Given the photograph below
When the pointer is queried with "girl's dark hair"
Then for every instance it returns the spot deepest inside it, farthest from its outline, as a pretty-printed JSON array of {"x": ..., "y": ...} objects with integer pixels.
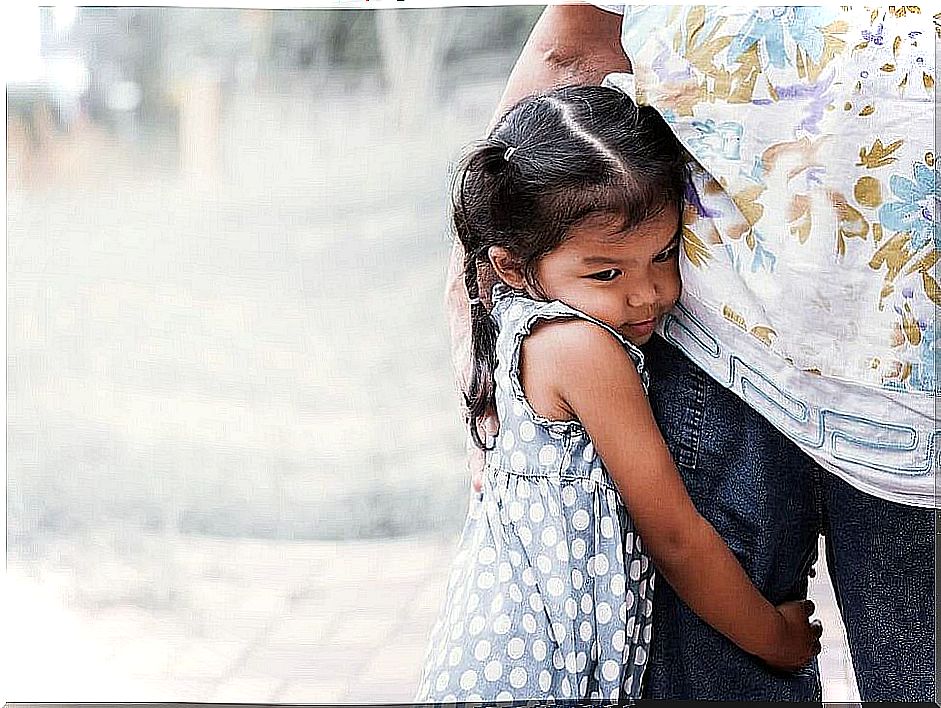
[{"x": 553, "y": 160}]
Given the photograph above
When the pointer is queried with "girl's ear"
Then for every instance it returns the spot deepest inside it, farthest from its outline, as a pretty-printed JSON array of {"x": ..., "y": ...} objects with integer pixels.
[{"x": 507, "y": 267}]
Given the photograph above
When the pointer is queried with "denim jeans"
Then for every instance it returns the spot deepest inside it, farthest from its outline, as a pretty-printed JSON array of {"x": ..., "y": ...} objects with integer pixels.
[{"x": 770, "y": 502}]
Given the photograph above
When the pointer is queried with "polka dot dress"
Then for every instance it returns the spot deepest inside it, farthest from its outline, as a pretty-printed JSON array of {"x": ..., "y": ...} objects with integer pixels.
[{"x": 550, "y": 595}]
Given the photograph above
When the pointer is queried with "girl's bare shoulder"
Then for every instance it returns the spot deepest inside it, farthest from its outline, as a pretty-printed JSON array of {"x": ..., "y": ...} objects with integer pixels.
[{"x": 562, "y": 354}]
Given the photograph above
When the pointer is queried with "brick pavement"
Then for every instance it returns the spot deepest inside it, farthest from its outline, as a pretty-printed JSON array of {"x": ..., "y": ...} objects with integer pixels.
[{"x": 306, "y": 633}]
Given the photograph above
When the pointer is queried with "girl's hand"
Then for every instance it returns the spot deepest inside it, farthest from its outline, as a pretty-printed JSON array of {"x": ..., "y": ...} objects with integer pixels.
[{"x": 798, "y": 640}]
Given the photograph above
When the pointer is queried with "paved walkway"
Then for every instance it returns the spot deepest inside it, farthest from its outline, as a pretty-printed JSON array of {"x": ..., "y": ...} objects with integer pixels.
[{"x": 249, "y": 622}]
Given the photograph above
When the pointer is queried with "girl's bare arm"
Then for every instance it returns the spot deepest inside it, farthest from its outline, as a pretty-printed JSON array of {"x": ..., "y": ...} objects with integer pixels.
[{"x": 580, "y": 371}]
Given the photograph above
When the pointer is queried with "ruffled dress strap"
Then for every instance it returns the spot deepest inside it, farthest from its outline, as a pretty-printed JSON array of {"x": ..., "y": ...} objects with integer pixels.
[{"x": 516, "y": 315}]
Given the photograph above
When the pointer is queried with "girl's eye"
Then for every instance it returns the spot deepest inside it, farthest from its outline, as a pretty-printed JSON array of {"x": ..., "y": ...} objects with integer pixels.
[
  {"x": 606, "y": 275},
  {"x": 666, "y": 255}
]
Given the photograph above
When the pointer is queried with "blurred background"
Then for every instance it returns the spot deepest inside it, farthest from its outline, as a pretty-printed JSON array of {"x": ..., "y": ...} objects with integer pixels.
[{"x": 235, "y": 466}]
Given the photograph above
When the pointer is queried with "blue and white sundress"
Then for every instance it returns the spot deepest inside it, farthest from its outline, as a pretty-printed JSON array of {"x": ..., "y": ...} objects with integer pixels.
[{"x": 550, "y": 595}]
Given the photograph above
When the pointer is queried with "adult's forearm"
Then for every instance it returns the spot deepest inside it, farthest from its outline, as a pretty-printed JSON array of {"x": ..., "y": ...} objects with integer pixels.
[{"x": 569, "y": 44}]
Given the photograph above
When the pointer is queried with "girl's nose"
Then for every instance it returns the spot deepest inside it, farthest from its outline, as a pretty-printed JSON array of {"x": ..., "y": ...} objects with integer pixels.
[{"x": 642, "y": 294}]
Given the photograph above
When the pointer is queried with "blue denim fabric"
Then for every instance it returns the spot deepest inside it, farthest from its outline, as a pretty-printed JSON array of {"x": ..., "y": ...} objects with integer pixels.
[{"x": 770, "y": 502}]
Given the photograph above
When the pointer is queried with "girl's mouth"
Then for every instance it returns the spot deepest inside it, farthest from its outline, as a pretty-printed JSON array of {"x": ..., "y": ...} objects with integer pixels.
[{"x": 641, "y": 329}]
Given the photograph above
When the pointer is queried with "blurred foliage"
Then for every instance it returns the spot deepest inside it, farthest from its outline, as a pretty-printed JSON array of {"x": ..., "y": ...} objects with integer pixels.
[
  {"x": 254, "y": 173},
  {"x": 156, "y": 48},
  {"x": 305, "y": 40},
  {"x": 489, "y": 29},
  {"x": 348, "y": 38},
  {"x": 309, "y": 39}
]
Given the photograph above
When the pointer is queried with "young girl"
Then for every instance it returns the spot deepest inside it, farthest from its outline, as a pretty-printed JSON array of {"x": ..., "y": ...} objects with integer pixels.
[{"x": 575, "y": 201}]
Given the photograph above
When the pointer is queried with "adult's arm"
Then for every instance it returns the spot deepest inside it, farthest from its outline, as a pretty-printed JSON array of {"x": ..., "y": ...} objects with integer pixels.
[{"x": 569, "y": 44}]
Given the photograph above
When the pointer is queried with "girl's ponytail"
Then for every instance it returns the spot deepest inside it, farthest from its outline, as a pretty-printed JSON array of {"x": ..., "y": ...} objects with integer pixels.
[
  {"x": 479, "y": 397},
  {"x": 476, "y": 185}
]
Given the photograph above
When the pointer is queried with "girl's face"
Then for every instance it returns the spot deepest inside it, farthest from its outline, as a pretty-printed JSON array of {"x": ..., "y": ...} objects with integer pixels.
[{"x": 626, "y": 279}]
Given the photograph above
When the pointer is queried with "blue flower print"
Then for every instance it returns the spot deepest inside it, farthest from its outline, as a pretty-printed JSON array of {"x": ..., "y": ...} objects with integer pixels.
[
  {"x": 723, "y": 140},
  {"x": 767, "y": 26},
  {"x": 758, "y": 259},
  {"x": 763, "y": 259},
  {"x": 917, "y": 208},
  {"x": 757, "y": 172}
]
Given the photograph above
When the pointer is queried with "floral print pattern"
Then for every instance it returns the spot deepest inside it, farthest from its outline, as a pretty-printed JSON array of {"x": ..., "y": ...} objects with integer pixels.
[
  {"x": 810, "y": 246},
  {"x": 811, "y": 183},
  {"x": 916, "y": 208},
  {"x": 770, "y": 27}
]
